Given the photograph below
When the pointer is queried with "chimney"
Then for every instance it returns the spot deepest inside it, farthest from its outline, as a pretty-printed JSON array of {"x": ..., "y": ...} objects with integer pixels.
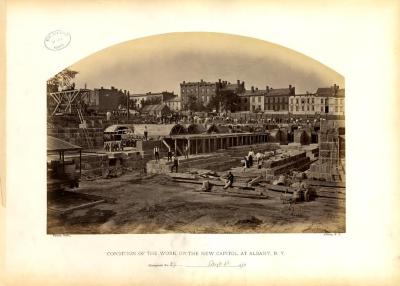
[
  {"x": 184, "y": 82},
  {"x": 256, "y": 88},
  {"x": 267, "y": 89},
  {"x": 125, "y": 91},
  {"x": 290, "y": 87},
  {"x": 252, "y": 88},
  {"x": 112, "y": 88},
  {"x": 201, "y": 80},
  {"x": 101, "y": 87},
  {"x": 85, "y": 85},
  {"x": 219, "y": 80},
  {"x": 238, "y": 82}
]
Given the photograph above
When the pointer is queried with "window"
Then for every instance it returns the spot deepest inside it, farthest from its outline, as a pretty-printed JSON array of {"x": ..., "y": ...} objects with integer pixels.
[
  {"x": 336, "y": 109},
  {"x": 259, "y": 107},
  {"x": 312, "y": 108},
  {"x": 302, "y": 108},
  {"x": 297, "y": 108},
  {"x": 322, "y": 109},
  {"x": 308, "y": 100},
  {"x": 308, "y": 108},
  {"x": 312, "y": 100},
  {"x": 245, "y": 100},
  {"x": 322, "y": 102},
  {"x": 259, "y": 99}
]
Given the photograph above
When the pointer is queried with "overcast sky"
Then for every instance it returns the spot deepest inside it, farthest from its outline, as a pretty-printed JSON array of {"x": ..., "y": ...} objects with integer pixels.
[{"x": 161, "y": 62}]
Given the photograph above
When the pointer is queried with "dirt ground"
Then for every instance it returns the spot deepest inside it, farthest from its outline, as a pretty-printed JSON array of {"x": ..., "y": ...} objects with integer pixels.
[{"x": 156, "y": 204}]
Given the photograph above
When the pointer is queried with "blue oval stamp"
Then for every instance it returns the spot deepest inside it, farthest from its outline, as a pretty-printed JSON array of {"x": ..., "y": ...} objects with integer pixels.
[{"x": 57, "y": 40}]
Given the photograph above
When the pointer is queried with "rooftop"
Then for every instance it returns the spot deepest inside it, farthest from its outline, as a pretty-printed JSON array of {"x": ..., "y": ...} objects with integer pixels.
[{"x": 55, "y": 144}]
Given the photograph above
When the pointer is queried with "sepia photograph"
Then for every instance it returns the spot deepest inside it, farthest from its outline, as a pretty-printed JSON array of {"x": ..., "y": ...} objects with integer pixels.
[
  {"x": 195, "y": 132},
  {"x": 199, "y": 142}
]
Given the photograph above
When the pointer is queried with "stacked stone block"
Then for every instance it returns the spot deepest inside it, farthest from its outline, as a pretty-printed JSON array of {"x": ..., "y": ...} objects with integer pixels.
[{"x": 328, "y": 167}]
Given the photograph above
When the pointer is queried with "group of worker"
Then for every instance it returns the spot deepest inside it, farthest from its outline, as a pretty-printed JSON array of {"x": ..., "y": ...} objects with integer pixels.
[
  {"x": 171, "y": 156},
  {"x": 249, "y": 160}
]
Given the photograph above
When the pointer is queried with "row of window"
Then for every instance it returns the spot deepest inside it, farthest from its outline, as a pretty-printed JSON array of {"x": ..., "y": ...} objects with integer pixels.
[
  {"x": 194, "y": 90},
  {"x": 270, "y": 99},
  {"x": 272, "y": 107},
  {"x": 311, "y": 100},
  {"x": 337, "y": 108}
]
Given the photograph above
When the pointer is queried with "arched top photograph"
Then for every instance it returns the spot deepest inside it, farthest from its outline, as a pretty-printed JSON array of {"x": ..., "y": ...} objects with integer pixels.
[{"x": 196, "y": 132}]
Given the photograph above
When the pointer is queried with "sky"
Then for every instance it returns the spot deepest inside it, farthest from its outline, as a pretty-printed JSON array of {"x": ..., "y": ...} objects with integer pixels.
[{"x": 162, "y": 62}]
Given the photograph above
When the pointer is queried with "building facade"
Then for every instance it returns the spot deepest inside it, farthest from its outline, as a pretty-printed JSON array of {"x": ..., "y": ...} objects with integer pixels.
[
  {"x": 151, "y": 98},
  {"x": 328, "y": 100},
  {"x": 174, "y": 103},
  {"x": 269, "y": 100},
  {"x": 201, "y": 92},
  {"x": 256, "y": 99},
  {"x": 107, "y": 99}
]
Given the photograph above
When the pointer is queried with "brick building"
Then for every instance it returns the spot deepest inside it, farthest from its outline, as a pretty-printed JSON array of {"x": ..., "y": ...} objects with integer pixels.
[
  {"x": 203, "y": 91},
  {"x": 107, "y": 99}
]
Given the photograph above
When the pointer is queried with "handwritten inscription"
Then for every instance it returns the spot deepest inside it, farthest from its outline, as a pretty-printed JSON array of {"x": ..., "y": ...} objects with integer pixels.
[{"x": 211, "y": 264}]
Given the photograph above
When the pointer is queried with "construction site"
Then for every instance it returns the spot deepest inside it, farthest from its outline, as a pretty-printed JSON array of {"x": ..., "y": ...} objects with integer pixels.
[{"x": 105, "y": 177}]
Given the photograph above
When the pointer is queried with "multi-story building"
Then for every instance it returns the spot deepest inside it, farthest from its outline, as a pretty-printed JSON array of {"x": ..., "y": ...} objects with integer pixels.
[
  {"x": 329, "y": 100},
  {"x": 269, "y": 100},
  {"x": 256, "y": 99},
  {"x": 202, "y": 92},
  {"x": 107, "y": 99},
  {"x": 174, "y": 103},
  {"x": 150, "y": 98},
  {"x": 306, "y": 104},
  {"x": 278, "y": 99}
]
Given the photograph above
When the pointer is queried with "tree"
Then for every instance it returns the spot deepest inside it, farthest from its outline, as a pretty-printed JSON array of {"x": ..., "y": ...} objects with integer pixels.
[
  {"x": 225, "y": 101},
  {"x": 62, "y": 80},
  {"x": 191, "y": 103}
]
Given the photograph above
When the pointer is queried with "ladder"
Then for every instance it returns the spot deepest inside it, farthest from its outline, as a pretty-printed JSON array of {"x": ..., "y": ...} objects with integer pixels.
[{"x": 84, "y": 128}]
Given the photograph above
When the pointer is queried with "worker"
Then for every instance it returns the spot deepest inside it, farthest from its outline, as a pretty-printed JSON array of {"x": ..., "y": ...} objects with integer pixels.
[
  {"x": 169, "y": 154},
  {"x": 246, "y": 163},
  {"x": 145, "y": 132},
  {"x": 251, "y": 156},
  {"x": 175, "y": 163},
  {"x": 259, "y": 157},
  {"x": 259, "y": 163},
  {"x": 156, "y": 153},
  {"x": 229, "y": 180},
  {"x": 186, "y": 151}
]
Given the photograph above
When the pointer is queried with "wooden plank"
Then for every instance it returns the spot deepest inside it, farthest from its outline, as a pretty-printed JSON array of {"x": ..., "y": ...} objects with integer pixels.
[
  {"x": 231, "y": 194},
  {"x": 182, "y": 176},
  {"x": 64, "y": 211},
  {"x": 326, "y": 184}
]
